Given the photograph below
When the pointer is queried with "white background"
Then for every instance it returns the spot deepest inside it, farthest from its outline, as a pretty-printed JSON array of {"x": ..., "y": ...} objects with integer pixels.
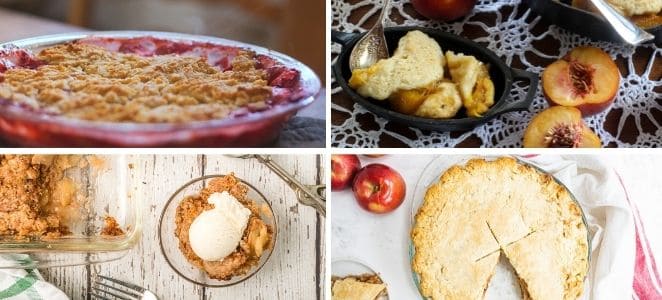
[{"x": 381, "y": 241}]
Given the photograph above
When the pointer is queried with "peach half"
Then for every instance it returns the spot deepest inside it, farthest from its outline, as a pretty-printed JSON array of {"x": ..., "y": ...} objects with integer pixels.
[
  {"x": 586, "y": 78},
  {"x": 560, "y": 127}
]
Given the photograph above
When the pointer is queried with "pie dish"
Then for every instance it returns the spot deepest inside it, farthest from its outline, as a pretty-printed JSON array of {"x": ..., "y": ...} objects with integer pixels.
[
  {"x": 186, "y": 204},
  {"x": 147, "y": 89},
  {"x": 493, "y": 208}
]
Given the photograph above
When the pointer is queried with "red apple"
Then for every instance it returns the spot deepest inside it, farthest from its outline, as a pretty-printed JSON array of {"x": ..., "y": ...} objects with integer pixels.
[
  {"x": 443, "y": 10},
  {"x": 379, "y": 188},
  {"x": 343, "y": 169}
]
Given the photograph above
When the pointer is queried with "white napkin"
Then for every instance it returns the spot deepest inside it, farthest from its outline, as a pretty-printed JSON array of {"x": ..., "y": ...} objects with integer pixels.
[
  {"x": 610, "y": 221},
  {"x": 20, "y": 284}
]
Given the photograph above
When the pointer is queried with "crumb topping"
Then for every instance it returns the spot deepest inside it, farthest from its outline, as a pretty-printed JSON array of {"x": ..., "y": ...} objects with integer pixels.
[{"x": 85, "y": 81}]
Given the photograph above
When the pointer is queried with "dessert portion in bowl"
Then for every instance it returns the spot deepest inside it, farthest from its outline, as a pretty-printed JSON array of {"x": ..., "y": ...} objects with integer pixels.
[
  {"x": 41, "y": 198},
  {"x": 145, "y": 80},
  {"x": 220, "y": 229},
  {"x": 421, "y": 80}
]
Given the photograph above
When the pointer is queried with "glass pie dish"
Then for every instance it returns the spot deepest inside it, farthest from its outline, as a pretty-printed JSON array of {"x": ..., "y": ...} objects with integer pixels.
[
  {"x": 169, "y": 242},
  {"x": 431, "y": 175},
  {"x": 102, "y": 190},
  {"x": 29, "y": 127}
]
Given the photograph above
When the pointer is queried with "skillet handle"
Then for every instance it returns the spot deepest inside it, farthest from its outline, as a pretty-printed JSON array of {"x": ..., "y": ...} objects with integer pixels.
[
  {"x": 342, "y": 38},
  {"x": 524, "y": 103}
]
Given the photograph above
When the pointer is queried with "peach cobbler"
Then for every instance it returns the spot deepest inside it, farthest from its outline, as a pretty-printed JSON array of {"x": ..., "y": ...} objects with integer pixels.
[
  {"x": 144, "y": 80},
  {"x": 220, "y": 230}
]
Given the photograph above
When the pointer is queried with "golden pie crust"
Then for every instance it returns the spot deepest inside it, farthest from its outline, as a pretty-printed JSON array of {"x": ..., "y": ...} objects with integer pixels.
[
  {"x": 483, "y": 209},
  {"x": 358, "y": 287}
]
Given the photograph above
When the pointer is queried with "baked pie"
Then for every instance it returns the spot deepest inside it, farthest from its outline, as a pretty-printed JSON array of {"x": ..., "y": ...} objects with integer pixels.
[
  {"x": 485, "y": 209},
  {"x": 361, "y": 287},
  {"x": 220, "y": 230},
  {"x": 145, "y": 80}
]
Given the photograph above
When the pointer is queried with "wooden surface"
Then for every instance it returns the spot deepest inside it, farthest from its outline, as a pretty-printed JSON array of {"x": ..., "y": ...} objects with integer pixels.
[{"x": 291, "y": 272}]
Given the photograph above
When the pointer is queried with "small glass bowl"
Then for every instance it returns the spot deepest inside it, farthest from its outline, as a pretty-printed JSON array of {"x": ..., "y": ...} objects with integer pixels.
[{"x": 170, "y": 243}]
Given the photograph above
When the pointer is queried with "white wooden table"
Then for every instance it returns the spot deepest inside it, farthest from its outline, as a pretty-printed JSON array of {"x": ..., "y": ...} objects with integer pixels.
[
  {"x": 294, "y": 271},
  {"x": 380, "y": 241}
]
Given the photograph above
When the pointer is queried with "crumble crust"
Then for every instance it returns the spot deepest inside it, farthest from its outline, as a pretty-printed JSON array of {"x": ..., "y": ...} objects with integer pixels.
[
  {"x": 88, "y": 82},
  {"x": 256, "y": 239}
]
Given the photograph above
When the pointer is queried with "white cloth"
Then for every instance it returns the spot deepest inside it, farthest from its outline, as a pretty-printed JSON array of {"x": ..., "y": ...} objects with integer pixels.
[
  {"x": 20, "y": 284},
  {"x": 609, "y": 217}
]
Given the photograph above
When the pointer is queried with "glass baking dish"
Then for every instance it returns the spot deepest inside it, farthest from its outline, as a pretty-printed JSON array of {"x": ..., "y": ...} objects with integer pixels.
[{"x": 102, "y": 189}]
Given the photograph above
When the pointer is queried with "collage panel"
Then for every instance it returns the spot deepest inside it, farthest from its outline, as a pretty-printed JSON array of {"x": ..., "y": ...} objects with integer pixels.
[
  {"x": 476, "y": 226},
  {"x": 496, "y": 74},
  {"x": 162, "y": 73},
  {"x": 162, "y": 226}
]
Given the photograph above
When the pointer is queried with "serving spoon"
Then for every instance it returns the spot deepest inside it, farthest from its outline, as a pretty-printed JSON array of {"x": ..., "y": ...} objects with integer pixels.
[
  {"x": 372, "y": 46},
  {"x": 309, "y": 195},
  {"x": 627, "y": 30}
]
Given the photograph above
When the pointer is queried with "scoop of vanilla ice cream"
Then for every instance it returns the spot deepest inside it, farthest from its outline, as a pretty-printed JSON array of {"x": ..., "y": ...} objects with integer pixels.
[{"x": 215, "y": 233}]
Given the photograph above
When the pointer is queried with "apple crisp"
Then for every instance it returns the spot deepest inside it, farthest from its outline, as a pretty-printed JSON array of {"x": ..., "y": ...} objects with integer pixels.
[
  {"x": 36, "y": 199},
  {"x": 256, "y": 238}
]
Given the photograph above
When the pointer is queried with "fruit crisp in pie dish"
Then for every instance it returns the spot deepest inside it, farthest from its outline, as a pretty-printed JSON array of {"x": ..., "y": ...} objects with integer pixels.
[
  {"x": 220, "y": 229},
  {"x": 484, "y": 209},
  {"x": 149, "y": 84}
]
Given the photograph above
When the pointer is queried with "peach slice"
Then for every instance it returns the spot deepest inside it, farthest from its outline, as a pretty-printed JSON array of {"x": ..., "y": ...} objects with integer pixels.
[
  {"x": 560, "y": 127},
  {"x": 408, "y": 101},
  {"x": 586, "y": 78}
]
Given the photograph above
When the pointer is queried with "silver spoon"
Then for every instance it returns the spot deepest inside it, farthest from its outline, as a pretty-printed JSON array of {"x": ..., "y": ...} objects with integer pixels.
[
  {"x": 309, "y": 195},
  {"x": 628, "y": 31},
  {"x": 372, "y": 46}
]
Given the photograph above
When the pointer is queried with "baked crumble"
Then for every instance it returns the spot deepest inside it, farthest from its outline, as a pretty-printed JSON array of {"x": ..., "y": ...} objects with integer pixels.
[
  {"x": 111, "y": 227},
  {"x": 256, "y": 239},
  {"x": 85, "y": 81},
  {"x": 36, "y": 200}
]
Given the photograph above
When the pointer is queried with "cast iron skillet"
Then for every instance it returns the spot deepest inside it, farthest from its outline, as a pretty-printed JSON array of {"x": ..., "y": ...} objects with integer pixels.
[
  {"x": 502, "y": 76},
  {"x": 592, "y": 25}
]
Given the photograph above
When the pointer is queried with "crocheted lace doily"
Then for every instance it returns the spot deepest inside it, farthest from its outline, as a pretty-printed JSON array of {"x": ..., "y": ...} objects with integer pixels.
[{"x": 515, "y": 35}]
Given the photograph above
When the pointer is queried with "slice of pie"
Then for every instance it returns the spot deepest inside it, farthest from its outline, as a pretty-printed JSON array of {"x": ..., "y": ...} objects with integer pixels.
[
  {"x": 478, "y": 211},
  {"x": 363, "y": 287}
]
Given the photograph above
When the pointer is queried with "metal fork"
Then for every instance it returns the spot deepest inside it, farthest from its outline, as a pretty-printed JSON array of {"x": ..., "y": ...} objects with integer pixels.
[{"x": 106, "y": 288}]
